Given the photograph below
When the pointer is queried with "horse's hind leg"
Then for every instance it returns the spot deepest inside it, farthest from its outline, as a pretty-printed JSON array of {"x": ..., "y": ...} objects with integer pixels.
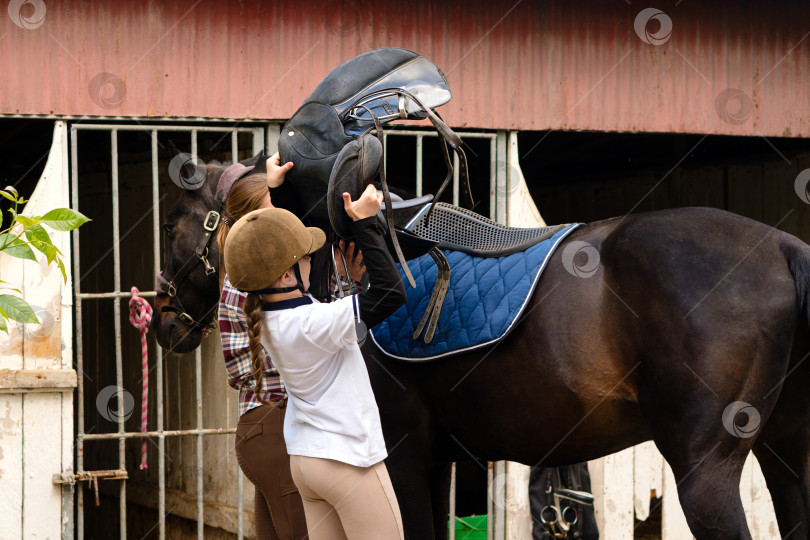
[
  {"x": 709, "y": 491},
  {"x": 783, "y": 451},
  {"x": 704, "y": 449},
  {"x": 786, "y": 475}
]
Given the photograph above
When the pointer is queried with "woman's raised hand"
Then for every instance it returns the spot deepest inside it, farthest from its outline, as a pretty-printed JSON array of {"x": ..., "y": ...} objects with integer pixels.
[
  {"x": 367, "y": 205},
  {"x": 276, "y": 171}
]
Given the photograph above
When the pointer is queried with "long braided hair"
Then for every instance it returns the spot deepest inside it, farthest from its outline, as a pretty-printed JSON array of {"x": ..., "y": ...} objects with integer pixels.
[
  {"x": 246, "y": 195},
  {"x": 253, "y": 313}
]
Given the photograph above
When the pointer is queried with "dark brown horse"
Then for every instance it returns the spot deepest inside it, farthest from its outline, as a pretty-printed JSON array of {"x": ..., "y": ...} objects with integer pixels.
[{"x": 691, "y": 331}]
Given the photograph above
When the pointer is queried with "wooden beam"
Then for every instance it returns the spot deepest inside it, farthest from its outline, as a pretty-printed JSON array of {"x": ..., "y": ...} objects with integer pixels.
[{"x": 18, "y": 381}]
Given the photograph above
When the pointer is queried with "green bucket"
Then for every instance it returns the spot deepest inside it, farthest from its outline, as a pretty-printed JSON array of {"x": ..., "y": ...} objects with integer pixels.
[{"x": 471, "y": 528}]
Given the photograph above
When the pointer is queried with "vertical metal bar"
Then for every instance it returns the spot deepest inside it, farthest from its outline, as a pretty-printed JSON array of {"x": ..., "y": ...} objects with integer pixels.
[
  {"x": 194, "y": 145},
  {"x": 198, "y": 391},
  {"x": 499, "y": 510},
  {"x": 119, "y": 376},
  {"x": 452, "y": 522},
  {"x": 273, "y": 135},
  {"x": 455, "y": 179},
  {"x": 419, "y": 165},
  {"x": 199, "y": 465},
  {"x": 490, "y": 500},
  {"x": 234, "y": 146},
  {"x": 159, "y": 352},
  {"x": 77, "y": 302},
  {"x": 493, "y": 181},
  {"x": 501, "y": 179}
]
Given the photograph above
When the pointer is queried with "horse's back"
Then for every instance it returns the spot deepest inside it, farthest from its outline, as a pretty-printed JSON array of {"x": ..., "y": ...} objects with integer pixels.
[{"x": 699, "y": 262}]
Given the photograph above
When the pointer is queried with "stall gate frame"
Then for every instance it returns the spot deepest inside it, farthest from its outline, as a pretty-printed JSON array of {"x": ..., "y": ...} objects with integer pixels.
[{"x": 497, "y": 212}]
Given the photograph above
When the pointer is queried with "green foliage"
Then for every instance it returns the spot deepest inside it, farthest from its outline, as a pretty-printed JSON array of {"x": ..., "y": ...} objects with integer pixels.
[{"x": 24, "y": 235}]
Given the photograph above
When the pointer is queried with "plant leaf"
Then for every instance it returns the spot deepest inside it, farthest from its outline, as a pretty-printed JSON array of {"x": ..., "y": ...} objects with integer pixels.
[
  {"x": 3, "y": 325},
  {"x": 18, "y": 291},
  {"x": 27, "y": 221},
  {"x": 40, "y": 239},
  {"x": 46, "y": 249},
  {"x": 64, "y": 219},
  {"x": 38, "y": 233},
  {"x": 6, "y": 238},
  {"x": 8, "y": 196},
  {"x": 17, "y": 309},
  {"x": 62, "y": 268},
  {"x": 20, "y": 249}
]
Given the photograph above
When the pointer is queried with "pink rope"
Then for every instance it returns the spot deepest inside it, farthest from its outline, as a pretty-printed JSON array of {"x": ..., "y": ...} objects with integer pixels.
[{"x": 140, "y": 315}]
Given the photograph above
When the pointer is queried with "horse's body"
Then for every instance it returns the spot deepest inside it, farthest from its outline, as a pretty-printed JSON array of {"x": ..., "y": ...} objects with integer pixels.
[{"x": 690, "y": 311}]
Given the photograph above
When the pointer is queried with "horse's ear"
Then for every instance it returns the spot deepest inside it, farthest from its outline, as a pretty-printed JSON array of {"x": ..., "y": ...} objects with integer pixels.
[
  {"x": 256, "y": 161},
  {"x": 190, "y": 175},
  {"x": 173, "y": 150},
  {"x": 261, "y": 165}
]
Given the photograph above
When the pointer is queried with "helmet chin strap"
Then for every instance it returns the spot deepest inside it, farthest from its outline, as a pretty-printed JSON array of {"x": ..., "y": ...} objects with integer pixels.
[{"x": 280, "y": 290}]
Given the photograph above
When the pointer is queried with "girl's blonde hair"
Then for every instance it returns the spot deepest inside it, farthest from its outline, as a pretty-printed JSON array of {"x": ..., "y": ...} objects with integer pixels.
[{"x": 245, "y": 196}]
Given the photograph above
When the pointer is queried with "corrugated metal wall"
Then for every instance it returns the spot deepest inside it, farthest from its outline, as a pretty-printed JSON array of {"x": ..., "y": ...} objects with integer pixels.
[{"x": 524, "y": 65}]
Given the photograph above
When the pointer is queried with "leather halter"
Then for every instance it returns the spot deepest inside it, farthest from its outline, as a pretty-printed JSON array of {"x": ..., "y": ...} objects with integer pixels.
[{"x": 210, "y": 224}]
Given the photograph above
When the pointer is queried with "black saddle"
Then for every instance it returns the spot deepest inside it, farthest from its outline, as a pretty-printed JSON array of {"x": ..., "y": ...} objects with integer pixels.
[{"x": 335, "y": 139}]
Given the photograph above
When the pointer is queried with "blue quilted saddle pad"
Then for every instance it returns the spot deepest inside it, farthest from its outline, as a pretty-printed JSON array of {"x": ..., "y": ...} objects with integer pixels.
[{"x": 485, "y": 298}]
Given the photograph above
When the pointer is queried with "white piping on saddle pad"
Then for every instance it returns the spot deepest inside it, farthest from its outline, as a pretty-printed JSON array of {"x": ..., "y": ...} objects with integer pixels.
[{"x": 508, "y": 328}]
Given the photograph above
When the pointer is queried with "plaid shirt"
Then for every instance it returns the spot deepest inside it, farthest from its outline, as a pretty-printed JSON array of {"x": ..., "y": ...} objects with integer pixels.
[{"x": 236, "y": 349}]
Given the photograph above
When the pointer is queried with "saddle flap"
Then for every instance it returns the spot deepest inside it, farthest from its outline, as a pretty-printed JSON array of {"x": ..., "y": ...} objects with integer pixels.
[
  {"x": 314, "y": 132},
  {"x": 312, "y": 139},
  {"x": 355, "y": 167}
]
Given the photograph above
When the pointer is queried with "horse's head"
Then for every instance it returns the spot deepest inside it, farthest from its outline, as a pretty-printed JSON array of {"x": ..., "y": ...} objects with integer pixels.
[{"x": 188, "y": 285}]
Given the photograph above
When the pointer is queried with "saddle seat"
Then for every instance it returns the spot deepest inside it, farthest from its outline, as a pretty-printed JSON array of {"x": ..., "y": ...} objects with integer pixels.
[{"x": 459, "y": 229}]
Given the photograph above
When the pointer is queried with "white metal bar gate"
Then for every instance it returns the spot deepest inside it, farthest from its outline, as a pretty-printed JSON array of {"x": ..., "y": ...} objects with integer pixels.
[
  {"x": 497, "y": 206},
  {"x": 158, "y": 434}
]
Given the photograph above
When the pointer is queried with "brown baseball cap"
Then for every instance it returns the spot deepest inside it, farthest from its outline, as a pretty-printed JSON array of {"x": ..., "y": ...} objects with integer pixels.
[{"x": 263, "y": 244}]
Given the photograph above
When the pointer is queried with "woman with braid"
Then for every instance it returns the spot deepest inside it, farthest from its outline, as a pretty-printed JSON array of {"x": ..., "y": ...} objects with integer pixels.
[
  {"x": 260, "y": 449},
  {"x": 332, "y": 429}
]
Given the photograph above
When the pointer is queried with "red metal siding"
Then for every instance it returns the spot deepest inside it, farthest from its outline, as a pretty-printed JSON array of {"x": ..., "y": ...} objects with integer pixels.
[{"x": 524, "y": 65}]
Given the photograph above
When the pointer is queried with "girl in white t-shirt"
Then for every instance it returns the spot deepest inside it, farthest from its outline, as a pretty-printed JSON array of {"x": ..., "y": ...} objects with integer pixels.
[{"x": 332, "y": 427}]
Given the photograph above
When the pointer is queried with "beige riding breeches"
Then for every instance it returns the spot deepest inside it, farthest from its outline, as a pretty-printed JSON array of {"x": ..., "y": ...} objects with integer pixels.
[{"x": 342, "y": 501}]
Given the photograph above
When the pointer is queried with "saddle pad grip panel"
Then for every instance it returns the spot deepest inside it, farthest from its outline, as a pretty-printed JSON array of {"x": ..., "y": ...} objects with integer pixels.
[{"x": 485, "y": 299}]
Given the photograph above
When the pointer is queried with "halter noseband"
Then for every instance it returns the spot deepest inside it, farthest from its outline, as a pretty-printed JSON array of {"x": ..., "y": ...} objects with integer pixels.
[{"x": 232, "y": 174}]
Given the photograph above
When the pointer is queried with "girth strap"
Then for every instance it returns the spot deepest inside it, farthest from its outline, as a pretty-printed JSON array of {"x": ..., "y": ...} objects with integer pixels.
[{"x": 434, "y": 307}]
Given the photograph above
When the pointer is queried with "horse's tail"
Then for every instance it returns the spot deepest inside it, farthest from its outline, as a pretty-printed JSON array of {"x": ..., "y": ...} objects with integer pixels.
[{"x": 797, "y": 255}]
